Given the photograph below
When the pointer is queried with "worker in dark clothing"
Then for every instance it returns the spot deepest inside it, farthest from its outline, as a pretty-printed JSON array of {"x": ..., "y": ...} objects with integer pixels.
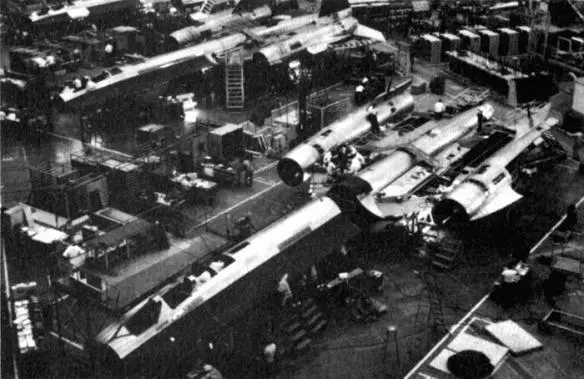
[
  {"x": 571, "y": 219},
  {"x": 248, "y": 172},
  {"x": 359, "y": 94},
  {"x": 244, "y": 226},
  {"x": 566, "y": 228},
  {"x": 480, "y": 120},
  {"x": 372, "y": 118}
]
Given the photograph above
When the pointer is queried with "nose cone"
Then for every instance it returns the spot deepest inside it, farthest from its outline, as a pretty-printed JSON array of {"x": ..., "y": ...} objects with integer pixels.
[
  {"x": 449, "y": 211},
  {"x": 290, "y": 172}
]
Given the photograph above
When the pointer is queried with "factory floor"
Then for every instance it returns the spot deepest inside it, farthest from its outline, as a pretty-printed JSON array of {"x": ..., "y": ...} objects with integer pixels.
[
  {"x": 351, "y": 350},
  {"x": 347, "y": 349}
]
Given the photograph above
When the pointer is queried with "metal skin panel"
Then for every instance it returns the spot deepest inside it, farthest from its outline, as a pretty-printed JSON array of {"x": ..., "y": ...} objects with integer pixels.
[
  {"x": 281, "y": 51},
  {"x": 216, "y": 22},
  {"x": 488, "y": 188},
  {"x": 275, "y": 241},
  {"x": 94, "y": 6},
  {"x": 154, "y": 72},
  {"x": 396, "y": 164},
  {"x": 292, "y": 167}
]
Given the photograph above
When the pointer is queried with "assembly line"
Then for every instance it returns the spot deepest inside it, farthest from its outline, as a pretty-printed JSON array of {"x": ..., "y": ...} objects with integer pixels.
[{"x": 292, "y": 189}]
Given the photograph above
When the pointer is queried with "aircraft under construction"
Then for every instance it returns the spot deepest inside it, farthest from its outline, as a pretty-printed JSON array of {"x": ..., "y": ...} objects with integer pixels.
[
  {"x": 276, "y": 43},
  {"x": 381, "y": 192}
]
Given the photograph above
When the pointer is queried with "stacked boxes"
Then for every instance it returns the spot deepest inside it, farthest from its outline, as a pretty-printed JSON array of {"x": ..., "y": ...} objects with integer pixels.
[
  {"x": 489, "y": 42},
  {"x": 525, "y": 35},
  {"x": 470, "y": 41},
  {"x": 23, "y": 324},
  {"x": 508, "y": 42},
  {"x": 450, "y": 42},
  {"x": 430, "y": 48}
]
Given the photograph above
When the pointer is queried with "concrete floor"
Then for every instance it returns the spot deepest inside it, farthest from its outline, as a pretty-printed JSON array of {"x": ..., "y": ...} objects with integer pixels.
[{"x": 350, "y": 350}]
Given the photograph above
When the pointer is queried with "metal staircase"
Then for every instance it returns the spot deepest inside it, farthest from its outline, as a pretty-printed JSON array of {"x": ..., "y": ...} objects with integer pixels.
[
  {"x": 300, "y": 326},
  {"x": 445, "y": 255},
  {"x": 234, "y": 80},
  {"x": 207, "y": 6},
  {"x": 431, "y": 294}
]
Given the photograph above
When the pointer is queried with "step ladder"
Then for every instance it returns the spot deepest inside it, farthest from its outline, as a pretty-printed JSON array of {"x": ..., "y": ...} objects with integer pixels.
[
  {"x": 300, "y": 326},
  {"x": 234, "y": 80},
  {"x": 431, "y": 294},
  {"x": 436, "y": 307},
  {"x": 207, "y": 6},
  {"x": 446, "y": 253}
]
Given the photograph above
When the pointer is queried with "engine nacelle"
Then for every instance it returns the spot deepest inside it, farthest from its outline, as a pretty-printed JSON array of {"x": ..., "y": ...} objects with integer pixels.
[
  {"x": 292, "y": 167},
  {"x": 481, "y": 194}
]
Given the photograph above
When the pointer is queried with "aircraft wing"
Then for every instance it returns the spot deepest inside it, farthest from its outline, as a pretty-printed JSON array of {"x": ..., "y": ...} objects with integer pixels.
[
  {"x": 399, "y": 209},
  {"x": 504, "y": 197},
  {"x": 360, "y": 36},
  {"x": 368, "y": 33}
]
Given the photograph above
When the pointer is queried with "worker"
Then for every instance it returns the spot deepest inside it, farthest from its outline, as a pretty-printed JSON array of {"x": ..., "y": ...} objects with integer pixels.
[
  {"x": 210, "y": 372},
  {"x": 76, "y": 255},
  {"x": 285, "y": 290},
  {"x": 480, "y": 120},
  {"x": 356, "y": 160},
  {"x": 244, "y": 226},
  {"x": 566, "y": 228},
  {"x": 270, "y": 358},
  {"x": 77, "y": 84},
  {"x": 578, "y": 146},
  {"x": 248, "y": 172},
  {"x": 109, "y": 53},
  {"x": 89, "y": 84},
  {"x": 439, "y": 109},
  {"x": 360, "y": 96},
  {"x": 510, "y": 275},
  {"x": 367, "y": 88},
  {"x": 372, "y": 118},
  {"x": 388, "y": 78}
]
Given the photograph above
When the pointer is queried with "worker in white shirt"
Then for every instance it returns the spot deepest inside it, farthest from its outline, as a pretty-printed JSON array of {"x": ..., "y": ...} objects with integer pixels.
[
  {"x": 76, "y": 255},
  {"x": 285, "y": 290},
  {"x": 360, "y": 95},
  {"x": 510, "y": 275},
  {"x": 270, "y": 358},
  {"x": 439, "y": 109},
  {"x": 372, "y": 118},
  {"x": 77, "y": 84}
]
